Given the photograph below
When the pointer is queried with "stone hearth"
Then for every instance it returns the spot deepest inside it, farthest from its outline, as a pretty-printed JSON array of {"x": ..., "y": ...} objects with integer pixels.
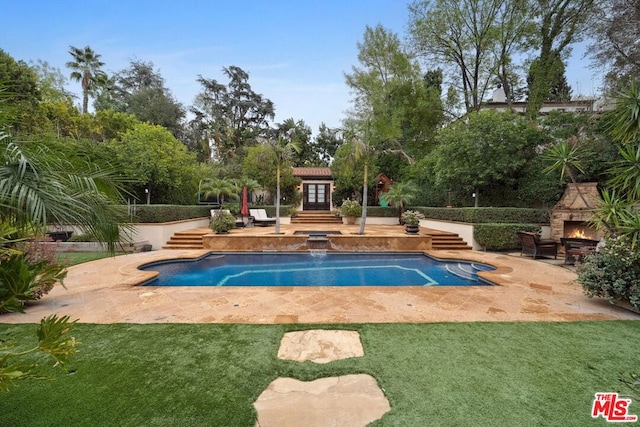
[{"x": 571, "y": 211}]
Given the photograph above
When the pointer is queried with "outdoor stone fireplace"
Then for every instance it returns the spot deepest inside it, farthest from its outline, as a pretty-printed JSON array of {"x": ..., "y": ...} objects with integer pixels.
[{"x": 569, "y": 215}]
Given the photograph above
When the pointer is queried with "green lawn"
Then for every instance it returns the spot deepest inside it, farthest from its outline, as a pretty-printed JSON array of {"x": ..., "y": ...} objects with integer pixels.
[
  {"x": 450, "y": 374},
  {"x": 74, "y": 258}
]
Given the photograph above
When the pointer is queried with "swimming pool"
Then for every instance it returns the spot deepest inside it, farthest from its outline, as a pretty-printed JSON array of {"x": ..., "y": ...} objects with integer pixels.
[{"x": 317, "y": 269}]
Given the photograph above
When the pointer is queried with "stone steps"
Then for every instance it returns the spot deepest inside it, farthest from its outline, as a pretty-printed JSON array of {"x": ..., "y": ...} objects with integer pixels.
[
  {"x": 190, "y": 239},
  {"x": 443, "y": 242},
  {"x": 316, "y": 217}
]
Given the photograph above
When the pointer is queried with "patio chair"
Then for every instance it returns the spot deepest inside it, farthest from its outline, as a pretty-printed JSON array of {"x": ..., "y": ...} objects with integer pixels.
[
  {"x": 534, "y": 246},
  {"x": 260, "y": 217}
]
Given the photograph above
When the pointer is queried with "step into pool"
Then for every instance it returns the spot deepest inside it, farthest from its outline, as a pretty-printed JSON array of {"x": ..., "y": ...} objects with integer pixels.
[{"x": 317, "y": 269}]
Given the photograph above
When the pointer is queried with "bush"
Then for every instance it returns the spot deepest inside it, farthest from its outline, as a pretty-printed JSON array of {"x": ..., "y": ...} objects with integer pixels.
[
  {"x": 381, "y": 211},
  {"x": 167, "y": 213},
  {"x": 412, "y": 217},
  {"x": 222, "y": 222},
  {"x": 613, "y": 272},
  {"x": 350, "y": 208},
  {"x": 500, "y": 237},
  {"x": 487, "y": 215},
  {"x": 25, "y": 279}
]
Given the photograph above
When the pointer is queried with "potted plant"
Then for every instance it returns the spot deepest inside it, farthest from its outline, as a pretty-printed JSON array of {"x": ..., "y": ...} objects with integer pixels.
[
  {"x": 411, "y": 220},
  {"x": 349, "y": 210},
  {"x": 222, "y": 222}
]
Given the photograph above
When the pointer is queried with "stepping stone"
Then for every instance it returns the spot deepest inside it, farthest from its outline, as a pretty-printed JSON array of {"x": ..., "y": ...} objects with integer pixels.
[
  {"x": 320, "y": 346},
  {"x": 349, "y": 400}
]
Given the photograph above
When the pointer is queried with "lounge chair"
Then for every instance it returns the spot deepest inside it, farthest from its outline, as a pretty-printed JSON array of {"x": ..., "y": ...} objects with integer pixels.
[
  {"x": 534, "y": 246},
  {"x": 260, "y": 217}
]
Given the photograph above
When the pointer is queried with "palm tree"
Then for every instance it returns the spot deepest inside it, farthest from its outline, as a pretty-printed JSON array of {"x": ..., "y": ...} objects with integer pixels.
[
  {"x": 565, "y": 157},
  {"x": 283, "y": 148},
  {"x": 218, "y": 187},
  {"x": 399, "y": 195},
  {"x": 86, "y": 70},
  {"x": 362, "y": 150},
  {"x": 38, "y": 187}
]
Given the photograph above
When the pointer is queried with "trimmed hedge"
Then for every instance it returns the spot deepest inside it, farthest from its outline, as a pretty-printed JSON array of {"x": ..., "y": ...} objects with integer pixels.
[
  {"x": 285, "y": 210},
  {"x": 386, "y": 212},
  {"x": 168, "y": 213},
  {"x": 500, "y": 237},
  {"x": 487, "y": 215}
]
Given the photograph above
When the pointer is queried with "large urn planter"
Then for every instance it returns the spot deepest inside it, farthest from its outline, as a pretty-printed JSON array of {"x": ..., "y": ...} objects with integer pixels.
[
  {"x": 348, "y": 220},
  {"x": 412, "y": 228}
]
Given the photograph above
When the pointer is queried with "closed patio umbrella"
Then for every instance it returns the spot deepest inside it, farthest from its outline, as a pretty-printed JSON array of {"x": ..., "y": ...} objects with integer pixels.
[{"x": 244, "y": 209}]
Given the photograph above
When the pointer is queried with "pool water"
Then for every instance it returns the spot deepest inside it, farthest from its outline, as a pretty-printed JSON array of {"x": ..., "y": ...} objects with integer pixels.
[{"x": 317, "y": 269}]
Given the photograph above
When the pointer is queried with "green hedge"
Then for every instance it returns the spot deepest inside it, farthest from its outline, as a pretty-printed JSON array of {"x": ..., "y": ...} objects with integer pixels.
[
  {"x": 381, "y": 211},
  {"x": 500, "y": 237},
  {"x": 487, "y": 215},
  {"x": 167, "y": 213},
  {"x": 285, "y": 210}
]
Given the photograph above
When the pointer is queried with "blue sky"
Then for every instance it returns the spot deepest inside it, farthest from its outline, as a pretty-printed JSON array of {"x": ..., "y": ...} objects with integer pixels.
[{"x": 295, "y": 51}]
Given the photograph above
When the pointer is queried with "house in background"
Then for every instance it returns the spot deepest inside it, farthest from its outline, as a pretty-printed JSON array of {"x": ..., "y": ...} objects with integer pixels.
[
  {"x": 316, "y": 188},
  {"x": 579, "y": 105}
]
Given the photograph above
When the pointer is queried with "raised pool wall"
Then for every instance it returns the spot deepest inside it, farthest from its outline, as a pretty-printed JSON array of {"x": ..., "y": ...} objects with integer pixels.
[
  {"x": 465, "y": 230},
  {"x": 290, "y": 242}
]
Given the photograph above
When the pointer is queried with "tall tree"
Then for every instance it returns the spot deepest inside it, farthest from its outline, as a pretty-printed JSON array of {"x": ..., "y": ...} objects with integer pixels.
[
  {"x": 307, "y": 154},
  {"x": 398, "y": 105},
  {"x": 283, "y": 148},
  {"x": 234, "y": 116},
  {"x": 559, "y": 23},
  {"x": 139, "y": 90},
  {"x": 514, "y": 25},
  {"x": 327, "y": 142},
  {"x": 21, "y": 82},
  {"x": 86, "y": 69},
  {"x": 461, "y": 35},
  {"x": 487, "y": 151}
]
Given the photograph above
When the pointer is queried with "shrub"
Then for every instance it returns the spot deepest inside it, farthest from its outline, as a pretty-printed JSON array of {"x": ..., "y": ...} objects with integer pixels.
[
  {"x": 167, "y": 213},
  {"x": 350, "y": 208},
  {"x": 613, "y": 272},
  {"x": 487, "y": 215},
  {"x": 381, "y": 211},
  {"x": 500, "y": 237},
  {"x": 412, "y": 217},
  {"x": 22, "y": 280},
  {"x": 222, "y": 222}
]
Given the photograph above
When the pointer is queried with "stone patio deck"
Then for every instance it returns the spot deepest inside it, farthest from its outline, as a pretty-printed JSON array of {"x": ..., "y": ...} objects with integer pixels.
[{"x": 106, "y": 291}]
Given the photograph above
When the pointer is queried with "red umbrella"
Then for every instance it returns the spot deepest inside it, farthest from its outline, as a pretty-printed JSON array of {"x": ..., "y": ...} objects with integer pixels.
[{"x": 244, "y": 209}]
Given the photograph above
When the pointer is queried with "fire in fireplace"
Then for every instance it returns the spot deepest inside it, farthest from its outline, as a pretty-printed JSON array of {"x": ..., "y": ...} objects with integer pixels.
[{"x": 579, "y": 230}]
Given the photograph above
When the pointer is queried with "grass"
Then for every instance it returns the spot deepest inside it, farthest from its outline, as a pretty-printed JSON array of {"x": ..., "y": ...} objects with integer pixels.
[
  {"x": 450, "y": 374},
  {"x": 74, "y": 258}
]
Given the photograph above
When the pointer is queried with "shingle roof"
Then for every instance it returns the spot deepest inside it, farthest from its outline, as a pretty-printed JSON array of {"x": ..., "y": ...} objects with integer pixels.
[{"x": 312, "y": 172}]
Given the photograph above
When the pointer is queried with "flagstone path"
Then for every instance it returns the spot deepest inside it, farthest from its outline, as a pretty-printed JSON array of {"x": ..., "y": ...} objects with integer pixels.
[{"x": 348, "y": 400}]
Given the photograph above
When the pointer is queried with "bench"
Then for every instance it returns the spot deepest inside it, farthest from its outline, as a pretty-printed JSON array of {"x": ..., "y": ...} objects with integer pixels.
[{"x": 536, "y": 247}]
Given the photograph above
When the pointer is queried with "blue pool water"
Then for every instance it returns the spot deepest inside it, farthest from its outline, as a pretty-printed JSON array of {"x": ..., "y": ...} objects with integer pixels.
[{"x": 317, "y": 269}]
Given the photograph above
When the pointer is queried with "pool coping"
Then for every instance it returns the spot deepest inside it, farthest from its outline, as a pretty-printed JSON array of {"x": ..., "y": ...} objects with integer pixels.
[{"x": 105, "y": 291}]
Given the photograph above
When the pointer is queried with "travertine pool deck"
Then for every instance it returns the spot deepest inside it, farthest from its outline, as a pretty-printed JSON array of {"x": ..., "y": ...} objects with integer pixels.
[{"x": 106, "y": 291}]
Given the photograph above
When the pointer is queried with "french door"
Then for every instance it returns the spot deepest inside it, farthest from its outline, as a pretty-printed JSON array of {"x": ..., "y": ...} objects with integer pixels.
[{"x": 316, "y": 197}]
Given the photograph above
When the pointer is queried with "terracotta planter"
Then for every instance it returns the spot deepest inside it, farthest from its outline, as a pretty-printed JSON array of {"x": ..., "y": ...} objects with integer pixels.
[{"x": 348, "y": 220}]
